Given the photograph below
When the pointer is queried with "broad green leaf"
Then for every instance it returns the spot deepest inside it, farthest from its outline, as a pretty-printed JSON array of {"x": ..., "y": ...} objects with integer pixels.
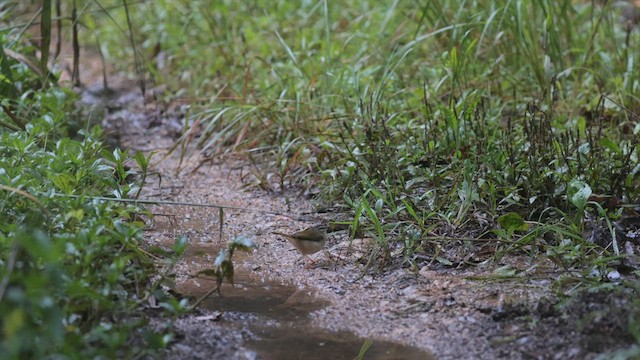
[
  {"x": 506, "y": 270},
  {"x": 13, "y": 322},
  {"x": 180, "y": 244},
  {"x": 610, "y": 145},
  {"x": 243, "y": 243},
  {"x": 512, "y": 222},
  {"x": 222, "y": 256},
  {"x": 63, "y": 181},
  {"x": 579, "y": 193}
]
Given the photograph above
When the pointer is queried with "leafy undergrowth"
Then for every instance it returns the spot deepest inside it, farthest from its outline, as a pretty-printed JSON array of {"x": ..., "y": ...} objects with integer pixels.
[
  {"x": 423, "y": 121},
  {"x": 453, "y": 135},
  {"x": 73, "y": 272},
  {"x": 73, "y": 276}
]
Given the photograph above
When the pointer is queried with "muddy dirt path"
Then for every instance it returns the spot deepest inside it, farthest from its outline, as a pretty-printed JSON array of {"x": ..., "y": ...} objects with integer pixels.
[{"x": 278, "y": 309}]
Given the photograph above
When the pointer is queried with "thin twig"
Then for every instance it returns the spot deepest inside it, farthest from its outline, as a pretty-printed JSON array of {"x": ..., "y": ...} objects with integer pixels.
[
  {"x": 10, "y": 263},
  {"x": 176, "y": 203},
  {"x": 28, "y": 196},
  {"x": 199, "y": 301}
]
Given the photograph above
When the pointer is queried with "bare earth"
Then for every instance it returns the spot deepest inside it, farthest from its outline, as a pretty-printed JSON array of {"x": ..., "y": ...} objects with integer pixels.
[{"x": 447, "y": 312}]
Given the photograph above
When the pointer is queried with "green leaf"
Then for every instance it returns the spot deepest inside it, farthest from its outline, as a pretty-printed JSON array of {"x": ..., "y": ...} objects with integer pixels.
[
  {"x": 180, "y": 244},
  {"x": 13, "y": 322},
  {"x": 76, "y": 214},
  {"x": 367, "y": 344},
  {"x": 579, "y": 193},
  {"x": 512, "y": 222},
  {"x": 443, "y": 261},
  {"x": 243, "y": 243},
  {"x": 379, "y": 205},
  {"x": 222, "y": 256},
  {"x": 506, "y": 270},
  {"x": 610, "y": 145},
  {"x": 63, "y": 181},
  {"x": 142, "y": 160}
]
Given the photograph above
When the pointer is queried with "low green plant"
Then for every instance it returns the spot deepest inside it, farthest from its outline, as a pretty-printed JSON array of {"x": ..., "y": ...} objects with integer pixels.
[
  {"x": 73, "y": 268},
  {"x": 444, "y": 121},
  {"x": 74, "y": 276},
  {"x": 223, "y": 265}
]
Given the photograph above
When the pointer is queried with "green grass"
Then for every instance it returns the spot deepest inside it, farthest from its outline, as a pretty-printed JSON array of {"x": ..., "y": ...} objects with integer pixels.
[
  {"x": 424, "y": 120},
  {"x": 443, "y": 129}
]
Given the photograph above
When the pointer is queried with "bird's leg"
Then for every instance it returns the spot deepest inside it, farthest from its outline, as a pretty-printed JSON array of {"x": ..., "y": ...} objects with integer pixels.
[
  {"x": 329, "y": 256},
  {"x": 306, "y": 264}
]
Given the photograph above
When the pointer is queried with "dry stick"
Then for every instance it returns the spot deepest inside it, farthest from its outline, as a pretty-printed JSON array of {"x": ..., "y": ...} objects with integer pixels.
[
  {"x": 9, "y": 126},
  {"x": 176, "y": 203},
  {"x": 75, "y": 74},
  {"x": 629, "y": 111},
  {"x": 45, "y": 34},
  {"x": 136, "y": 60},
  {"x": 24, "y": 60},
  {"x": 58, "y": 30},
  {"x": 15, "y": 119}
]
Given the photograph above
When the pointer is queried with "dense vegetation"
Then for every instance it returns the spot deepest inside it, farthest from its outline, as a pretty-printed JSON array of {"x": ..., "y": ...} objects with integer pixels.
[
  {"x": 452, "y": 132},
  {"x": 441, "y": 129},
  {"x": 73, "y": 277},
  {"x": 496, "y": 119}
]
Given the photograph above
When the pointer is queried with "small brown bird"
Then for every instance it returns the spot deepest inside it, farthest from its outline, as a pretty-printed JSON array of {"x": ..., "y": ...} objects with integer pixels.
[{"x": 308, "y": 241}]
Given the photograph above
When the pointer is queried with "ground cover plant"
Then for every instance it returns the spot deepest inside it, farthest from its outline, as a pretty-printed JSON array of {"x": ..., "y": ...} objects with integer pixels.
[
  {"x": 454, "y": 133},
  {"x": 419, "y": 117},
  {"x": 73, "y": 276}
]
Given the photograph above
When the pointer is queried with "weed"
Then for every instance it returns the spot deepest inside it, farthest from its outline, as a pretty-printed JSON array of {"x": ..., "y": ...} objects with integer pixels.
[
  {"x": 508, "y": 124},
  {"x": 445, "y": 120},
  {"x": 73, "y": 271}
]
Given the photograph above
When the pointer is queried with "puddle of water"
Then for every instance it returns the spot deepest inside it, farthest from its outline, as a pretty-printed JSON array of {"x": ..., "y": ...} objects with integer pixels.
[
  {"x": 293, "y": 336},
  {"x": 269, "y": 299},
  {"x": 309, "y": 343},
  {"x": 281, "y": 322}
]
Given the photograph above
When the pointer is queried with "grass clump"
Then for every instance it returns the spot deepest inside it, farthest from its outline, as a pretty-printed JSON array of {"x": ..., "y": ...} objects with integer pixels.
[
  {"x": 438, "y": 119},
  {"x": 73, "y": 277}
]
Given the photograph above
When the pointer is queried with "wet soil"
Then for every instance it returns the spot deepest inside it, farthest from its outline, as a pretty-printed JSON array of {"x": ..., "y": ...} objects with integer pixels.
[{"x": 279, "y": 309}]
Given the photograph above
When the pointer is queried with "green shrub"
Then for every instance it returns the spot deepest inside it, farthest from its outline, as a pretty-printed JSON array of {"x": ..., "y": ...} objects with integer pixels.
[{"x": 73, "y": 277}]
